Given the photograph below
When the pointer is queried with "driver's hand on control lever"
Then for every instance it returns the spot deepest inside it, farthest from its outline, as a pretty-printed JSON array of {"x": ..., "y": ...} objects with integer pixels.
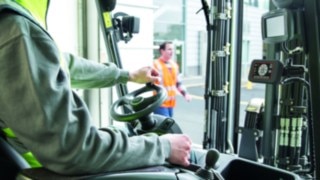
[
  {"x": 180, "y": 148},
  {"x": 144, "y": 75}
]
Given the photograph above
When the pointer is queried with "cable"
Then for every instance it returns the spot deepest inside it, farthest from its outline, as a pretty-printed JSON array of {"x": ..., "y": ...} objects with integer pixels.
[
  {"x": 296, "y": 50},
  {"x": 310, "y": 122}
]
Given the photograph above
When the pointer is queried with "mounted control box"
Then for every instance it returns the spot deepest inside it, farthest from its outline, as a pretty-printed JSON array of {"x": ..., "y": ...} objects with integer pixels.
[{"x": 266, "y": 71}]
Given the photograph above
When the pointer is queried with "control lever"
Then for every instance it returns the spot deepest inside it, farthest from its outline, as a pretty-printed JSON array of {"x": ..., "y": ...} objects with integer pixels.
[{"x": 207, "y": 172}]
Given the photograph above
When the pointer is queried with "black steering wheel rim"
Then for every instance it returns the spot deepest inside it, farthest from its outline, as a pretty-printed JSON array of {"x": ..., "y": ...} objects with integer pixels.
[{"x": 138, "y": 105}]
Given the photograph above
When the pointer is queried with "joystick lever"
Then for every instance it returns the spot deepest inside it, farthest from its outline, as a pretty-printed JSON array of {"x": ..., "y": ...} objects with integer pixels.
[{"x": 207, "y": 172}]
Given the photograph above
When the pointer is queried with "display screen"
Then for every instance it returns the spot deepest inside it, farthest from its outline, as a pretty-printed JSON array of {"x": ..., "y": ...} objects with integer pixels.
[
  {"x": 279, "y": 25},
  {"x": 266, "y": 71},
  {"x": 275, "y": 26},
  {"x": 262, "y": 71}
]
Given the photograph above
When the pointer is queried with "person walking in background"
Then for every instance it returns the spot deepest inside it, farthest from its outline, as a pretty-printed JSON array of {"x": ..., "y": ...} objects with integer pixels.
[{"x": 169, "y": 79}]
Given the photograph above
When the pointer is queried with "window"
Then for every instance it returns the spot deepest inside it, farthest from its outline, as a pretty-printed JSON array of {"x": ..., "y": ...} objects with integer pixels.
[
  {"x": 168, "y": 20},
  {"x": 254, "y": 3},
  {"x": 169, "y": 25}
]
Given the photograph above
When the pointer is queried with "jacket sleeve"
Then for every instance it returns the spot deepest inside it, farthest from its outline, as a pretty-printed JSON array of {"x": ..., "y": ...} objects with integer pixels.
[
  {"x": 89, "y": 74},
  {"x": 37, "y": 103}
]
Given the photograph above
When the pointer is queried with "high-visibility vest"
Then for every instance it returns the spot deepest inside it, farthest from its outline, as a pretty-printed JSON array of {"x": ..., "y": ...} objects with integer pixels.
[
  {"x": 168, "y": 80},
  {"x": 38, "y": 9}
]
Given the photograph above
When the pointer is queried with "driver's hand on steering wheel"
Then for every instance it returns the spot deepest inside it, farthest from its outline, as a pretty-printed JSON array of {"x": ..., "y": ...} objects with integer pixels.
[
  {"x": 180, "y": 148},
  {"x": 144, "y": 75}
]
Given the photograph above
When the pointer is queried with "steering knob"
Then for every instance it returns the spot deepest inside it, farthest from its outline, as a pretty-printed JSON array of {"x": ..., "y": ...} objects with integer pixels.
[{"x": 137, "y": 103}]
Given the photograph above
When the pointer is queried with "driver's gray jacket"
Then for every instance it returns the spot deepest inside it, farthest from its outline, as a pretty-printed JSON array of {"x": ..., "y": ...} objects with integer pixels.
[{"x": 47, "y": 117}]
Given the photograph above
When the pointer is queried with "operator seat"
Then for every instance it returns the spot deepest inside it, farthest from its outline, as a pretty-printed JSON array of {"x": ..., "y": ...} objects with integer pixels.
[{"x": 13, "y": 166}]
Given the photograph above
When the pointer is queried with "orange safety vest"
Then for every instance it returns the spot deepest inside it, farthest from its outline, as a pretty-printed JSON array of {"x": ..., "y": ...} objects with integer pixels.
[{"x": 168, "y": 80}]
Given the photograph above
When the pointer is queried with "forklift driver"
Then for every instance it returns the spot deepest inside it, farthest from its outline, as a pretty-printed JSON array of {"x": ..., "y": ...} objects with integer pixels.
[{"x": 46, "y": 122}]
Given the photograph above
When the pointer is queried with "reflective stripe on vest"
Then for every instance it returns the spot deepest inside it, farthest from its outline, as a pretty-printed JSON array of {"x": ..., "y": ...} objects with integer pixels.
[
  {"x": 168, "y": 80},
  {"x": 28, "y": 156},
  {"x": 8, "y": 132},
  {"x": 32, "y": 161}
]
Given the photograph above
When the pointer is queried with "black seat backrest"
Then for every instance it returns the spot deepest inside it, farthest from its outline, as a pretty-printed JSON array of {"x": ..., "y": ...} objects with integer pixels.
[
  {"x": 11, "y": 162},
  {"x": 12, "y": 165}
]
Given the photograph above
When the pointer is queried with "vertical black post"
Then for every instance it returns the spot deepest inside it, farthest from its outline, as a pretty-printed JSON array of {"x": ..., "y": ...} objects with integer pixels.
[
  {"x": 105, "y": 16},
  {"x": 238, "y": 27},
  {"x": 207, "y": 137},
  {"x": 312, "y": 21},
  {"x": 217, "y": 75},
  {"x": 104, "y": 8},
  {"x": 268, "y": 119}
]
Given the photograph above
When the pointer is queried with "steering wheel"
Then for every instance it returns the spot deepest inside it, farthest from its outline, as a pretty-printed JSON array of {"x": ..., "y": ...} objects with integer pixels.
[{"x": 140, "y": 106}]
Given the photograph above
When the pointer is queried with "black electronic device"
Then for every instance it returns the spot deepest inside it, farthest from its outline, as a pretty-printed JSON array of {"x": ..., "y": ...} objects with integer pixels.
[
  {"x": 266, "y": 71},
  {"x": 125, "y": 26},
  {"x": 108, "y": 5},
  {"x": 128, "y": 24},
  {"x": 277, "y": 26}
]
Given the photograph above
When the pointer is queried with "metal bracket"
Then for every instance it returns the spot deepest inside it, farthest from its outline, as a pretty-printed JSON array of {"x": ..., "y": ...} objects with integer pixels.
[
  {"x": 221, "y": 53},
  {"x": 218, "y": 93}
]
